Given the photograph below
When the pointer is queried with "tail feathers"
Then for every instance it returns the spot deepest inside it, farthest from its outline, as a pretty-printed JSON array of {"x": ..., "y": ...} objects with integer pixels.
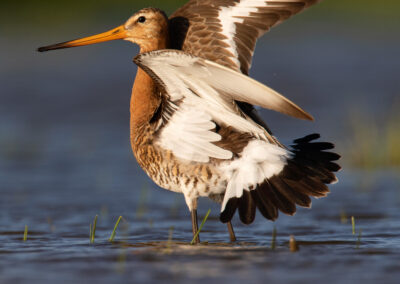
[
  {"x": 265, "y": 201},
  {"x": 307, "y": 173},
  {"x": 230, "y": 210},
  {"x": 246, "y": 206}
]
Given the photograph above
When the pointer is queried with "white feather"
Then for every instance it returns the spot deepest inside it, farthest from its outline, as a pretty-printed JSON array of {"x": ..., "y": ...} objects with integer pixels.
[
  {"x": 229, "y": 16},
  {"x": 183, "y": 74},
  {"x": 219, "y": 108},
  {"x": 189, "y": 135},
  {"x": 258, "y": 162},
  {"x": 204, "y": 92}
]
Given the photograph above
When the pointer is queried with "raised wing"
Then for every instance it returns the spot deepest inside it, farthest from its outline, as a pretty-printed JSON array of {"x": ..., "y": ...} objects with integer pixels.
[
  {"x": 201, "y": 93},
  {"x": 185, "y": 75},
  {"x": 226, "y": 31}
]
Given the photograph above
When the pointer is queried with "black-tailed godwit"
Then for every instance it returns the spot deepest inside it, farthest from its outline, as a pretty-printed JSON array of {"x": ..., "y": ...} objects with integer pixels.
[{"x": 194, "y": 129}]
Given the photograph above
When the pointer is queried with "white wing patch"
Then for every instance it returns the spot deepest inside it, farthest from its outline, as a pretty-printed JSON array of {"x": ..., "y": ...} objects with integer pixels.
[
  {"x": 231, "y": 15},
  {"x": 189, "y": 135},
  {"x": 228, "y": 17},
  {"x": 204, "y": 92},
  {"x": 184, "y": 75},
  {"x": 259, "y": 161}
]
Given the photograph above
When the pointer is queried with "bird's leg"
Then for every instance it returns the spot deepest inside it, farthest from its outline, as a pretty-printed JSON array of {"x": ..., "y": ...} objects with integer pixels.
[
  {"x": 231, "y": 232},
  {"x": 195, "y": 225}
]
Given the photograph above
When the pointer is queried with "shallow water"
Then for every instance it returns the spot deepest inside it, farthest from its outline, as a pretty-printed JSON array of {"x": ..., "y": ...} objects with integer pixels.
[
  {"x": 152, "y": 241},
  {"x": 65, "y": 157}
]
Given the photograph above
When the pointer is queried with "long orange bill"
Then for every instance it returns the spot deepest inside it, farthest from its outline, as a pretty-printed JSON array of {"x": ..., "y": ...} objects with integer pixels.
[{"x": 117, "y": 33}]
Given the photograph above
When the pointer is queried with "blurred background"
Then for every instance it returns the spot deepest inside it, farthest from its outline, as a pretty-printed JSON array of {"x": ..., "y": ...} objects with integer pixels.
[
  {"x": 64, "y": 115},
  {"x": 339, "y": 60}
]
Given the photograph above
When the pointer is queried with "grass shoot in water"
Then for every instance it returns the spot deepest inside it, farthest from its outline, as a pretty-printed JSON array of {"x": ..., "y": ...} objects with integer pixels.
[
  {"x": 111, "y": 239},
  {"x": 25, "y": 233},
  {"x": 93, "y": 229},
  {"x": 353, "y": 225},
  {"x": 358, "y": 239},
  {"x": 201, "y": 227}
]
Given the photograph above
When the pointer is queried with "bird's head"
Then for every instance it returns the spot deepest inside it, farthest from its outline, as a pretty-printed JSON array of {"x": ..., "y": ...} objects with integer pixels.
[{"x": 148, "y": 28}]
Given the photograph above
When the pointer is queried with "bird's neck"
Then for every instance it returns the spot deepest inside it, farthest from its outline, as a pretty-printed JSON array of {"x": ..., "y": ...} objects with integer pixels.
[
  {"x": 144, "y": 100},
  {"x": 145, "y": 97}
]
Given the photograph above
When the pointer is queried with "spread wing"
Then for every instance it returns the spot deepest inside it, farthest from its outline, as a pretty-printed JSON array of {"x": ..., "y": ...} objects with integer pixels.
[
  {"x": 201, "y": 93},
  {"x": 226, "y": 31}
]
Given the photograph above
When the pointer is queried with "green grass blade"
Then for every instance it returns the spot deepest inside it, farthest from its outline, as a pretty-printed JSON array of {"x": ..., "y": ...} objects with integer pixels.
[
  {"x": 111, "y": 239},
  {"x": 93, "y": 230},
  {"x": 358, "y": 239},
  {"x": 353, "y": 225},
  {"x": 26, "y": 233},
  {"x": 201, "y": 226}
]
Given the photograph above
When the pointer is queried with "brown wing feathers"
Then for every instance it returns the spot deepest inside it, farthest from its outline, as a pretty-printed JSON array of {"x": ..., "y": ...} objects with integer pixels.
[
  {"x": 196, "y": 28},
  {"x": 204, "y": 34}
]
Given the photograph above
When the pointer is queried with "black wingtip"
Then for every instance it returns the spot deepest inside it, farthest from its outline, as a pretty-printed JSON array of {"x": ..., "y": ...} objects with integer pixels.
[{"x": 41, "y": 49}]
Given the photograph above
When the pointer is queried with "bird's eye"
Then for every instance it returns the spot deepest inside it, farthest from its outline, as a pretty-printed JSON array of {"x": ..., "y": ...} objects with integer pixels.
[{"x": 141, "y": 19}]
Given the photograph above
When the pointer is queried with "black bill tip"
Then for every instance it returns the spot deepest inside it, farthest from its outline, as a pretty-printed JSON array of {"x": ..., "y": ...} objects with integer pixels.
[
  {"x": 42, "y": 49},
  {"x": 53, "y": 47}
]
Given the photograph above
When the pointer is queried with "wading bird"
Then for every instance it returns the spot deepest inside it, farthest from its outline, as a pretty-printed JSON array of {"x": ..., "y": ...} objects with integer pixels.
[{"x": 193, "y": 126}]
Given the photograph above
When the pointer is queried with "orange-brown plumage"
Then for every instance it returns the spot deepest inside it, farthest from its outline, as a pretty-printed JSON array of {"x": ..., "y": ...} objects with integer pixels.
[
  {"x": 146, "y": 95},
  {"x": 193, "y": 126},
  {"x": 145, "y": 100}
]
